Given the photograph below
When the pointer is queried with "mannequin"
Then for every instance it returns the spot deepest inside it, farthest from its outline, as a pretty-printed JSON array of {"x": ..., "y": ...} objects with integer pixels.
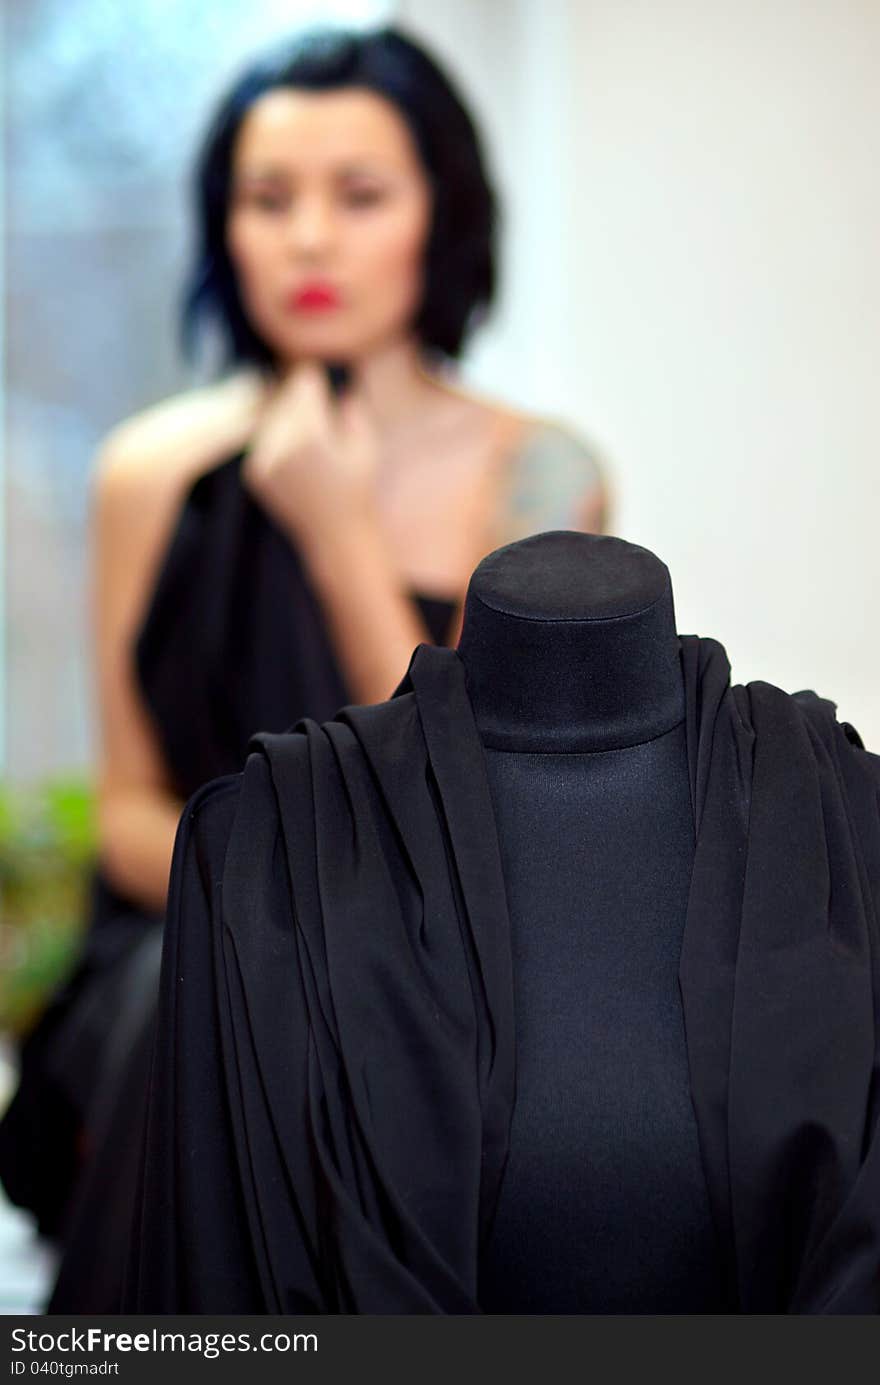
[
  {"x": 548, "y": 985},
  {"x": 574, "y": 673}
]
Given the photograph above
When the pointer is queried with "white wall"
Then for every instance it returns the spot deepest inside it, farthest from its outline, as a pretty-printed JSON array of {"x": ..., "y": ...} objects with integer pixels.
[{"x": 693, "y": 252}]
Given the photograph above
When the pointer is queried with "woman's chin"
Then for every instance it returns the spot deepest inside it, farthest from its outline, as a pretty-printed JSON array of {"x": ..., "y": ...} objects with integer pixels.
[{"x": 325, "y": 340}]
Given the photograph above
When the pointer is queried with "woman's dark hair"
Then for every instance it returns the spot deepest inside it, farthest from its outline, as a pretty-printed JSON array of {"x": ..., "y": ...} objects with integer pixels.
[{"x": 460, "y": 271}]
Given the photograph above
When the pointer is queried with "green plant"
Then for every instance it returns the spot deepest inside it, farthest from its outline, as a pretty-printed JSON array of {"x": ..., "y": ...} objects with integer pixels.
[{"x": 47, "y": 846}]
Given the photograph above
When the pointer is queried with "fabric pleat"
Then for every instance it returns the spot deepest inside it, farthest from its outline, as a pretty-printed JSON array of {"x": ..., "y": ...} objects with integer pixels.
[{"x": 334, "y": 1074}]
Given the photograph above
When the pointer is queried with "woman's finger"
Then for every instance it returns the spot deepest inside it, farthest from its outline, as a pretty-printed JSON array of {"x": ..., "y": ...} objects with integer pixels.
[
  {"x": 355, "y": 423},
  {"x": 305, "y": 401}
]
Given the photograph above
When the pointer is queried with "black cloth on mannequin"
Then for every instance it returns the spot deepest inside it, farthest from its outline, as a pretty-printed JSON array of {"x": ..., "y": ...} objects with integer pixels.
[
  {"x": 234, "y": 640},
  {"x": 336, "y": 1062}
]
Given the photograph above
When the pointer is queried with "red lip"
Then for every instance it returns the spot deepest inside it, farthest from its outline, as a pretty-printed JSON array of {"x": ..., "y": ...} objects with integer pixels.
[{"x": 314, "y": 298}]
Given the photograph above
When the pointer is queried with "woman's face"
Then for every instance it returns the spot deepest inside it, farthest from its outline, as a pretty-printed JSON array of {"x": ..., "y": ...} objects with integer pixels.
[{"x": 329, "y": 216}]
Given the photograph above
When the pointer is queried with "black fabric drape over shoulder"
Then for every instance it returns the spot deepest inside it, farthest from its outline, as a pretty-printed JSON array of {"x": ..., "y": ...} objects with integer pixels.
[{"x": 334, "y": 1073}]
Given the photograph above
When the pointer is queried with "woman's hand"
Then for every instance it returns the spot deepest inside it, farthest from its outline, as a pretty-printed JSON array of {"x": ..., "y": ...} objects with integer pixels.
[{"x": 312, "y": 462}]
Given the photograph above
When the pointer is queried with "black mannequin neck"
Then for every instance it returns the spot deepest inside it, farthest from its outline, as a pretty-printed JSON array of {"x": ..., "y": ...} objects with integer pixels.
[{"x": 569, "y": 645}]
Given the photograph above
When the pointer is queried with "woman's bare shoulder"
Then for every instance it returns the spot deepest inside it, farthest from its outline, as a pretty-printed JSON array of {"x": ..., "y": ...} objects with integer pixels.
[
  {"x": 143, "y": 471},
  {"x": 550, "y": 475},
  {"x": 472, "y": 409},
  {"x": 521, "y": 434},
  {"x": 170, "y": 443},
  {"x": 545, "y": 441}
]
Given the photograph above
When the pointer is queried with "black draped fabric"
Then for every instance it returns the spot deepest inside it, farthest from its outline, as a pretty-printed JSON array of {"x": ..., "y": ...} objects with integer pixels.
[
  {"x": 334, "y": 1076},
  {"x": 234, "y": 640}
]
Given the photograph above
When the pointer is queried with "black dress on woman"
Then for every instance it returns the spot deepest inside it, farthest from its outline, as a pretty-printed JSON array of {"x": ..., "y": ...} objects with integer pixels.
[{"x": 234, "y": 641}]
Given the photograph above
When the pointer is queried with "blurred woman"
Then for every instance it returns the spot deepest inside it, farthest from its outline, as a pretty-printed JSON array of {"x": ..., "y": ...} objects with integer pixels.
[{"x": 274, "y": 545}]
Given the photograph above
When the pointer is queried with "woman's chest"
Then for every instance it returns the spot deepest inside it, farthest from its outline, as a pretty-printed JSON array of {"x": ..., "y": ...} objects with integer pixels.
[{"x": 436, "y": 504}]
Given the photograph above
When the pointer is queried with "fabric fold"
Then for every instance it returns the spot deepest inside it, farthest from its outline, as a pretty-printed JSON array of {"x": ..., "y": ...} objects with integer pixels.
[
  {"x": 345, "y": 918},
  {"x": 779, "y": 983},
  {"x": 396, "y": 936}
]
